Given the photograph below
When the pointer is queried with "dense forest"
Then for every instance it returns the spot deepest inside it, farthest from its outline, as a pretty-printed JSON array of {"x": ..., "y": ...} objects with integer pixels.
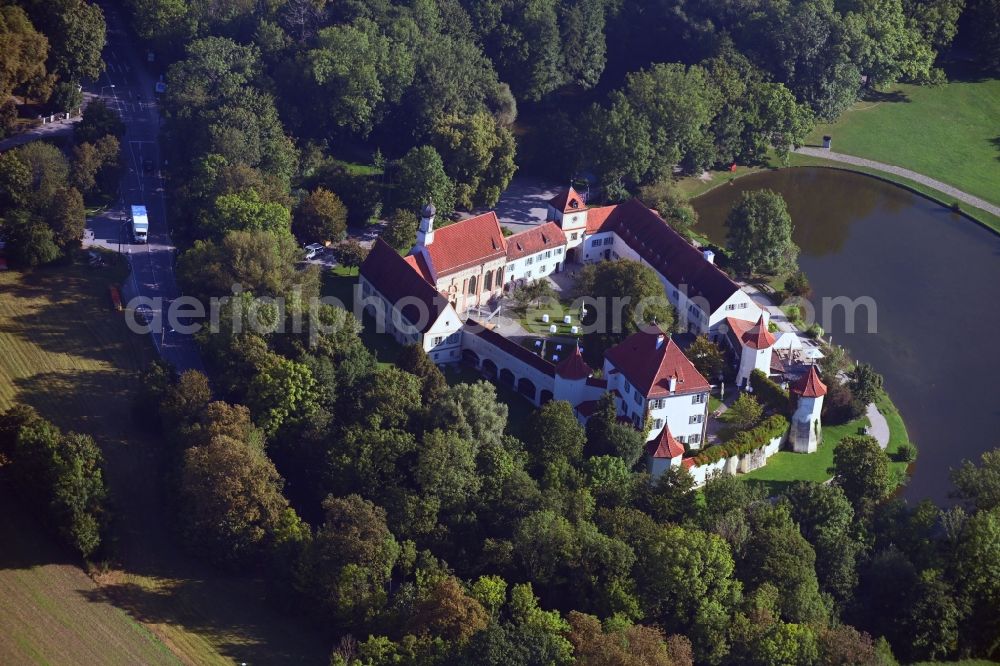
[{"x": 406, "y": 517}]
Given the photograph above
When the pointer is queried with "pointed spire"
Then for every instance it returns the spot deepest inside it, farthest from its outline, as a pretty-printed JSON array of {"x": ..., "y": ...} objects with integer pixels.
[{"x": 810, "y": 385}]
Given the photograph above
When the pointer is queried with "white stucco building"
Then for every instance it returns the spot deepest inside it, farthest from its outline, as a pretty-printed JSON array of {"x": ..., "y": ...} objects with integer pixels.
[
  {"x": 404, "y": 305},
  {"x": 651, "y": 377}
]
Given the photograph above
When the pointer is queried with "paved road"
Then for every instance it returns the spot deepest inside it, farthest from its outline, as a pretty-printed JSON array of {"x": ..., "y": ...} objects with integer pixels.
[
  {"x": 152, "y": 264},
  {"x": 958, "y": 194},
  {"x": 524, "y": 204},
  {"x": 47, "y": 131}
]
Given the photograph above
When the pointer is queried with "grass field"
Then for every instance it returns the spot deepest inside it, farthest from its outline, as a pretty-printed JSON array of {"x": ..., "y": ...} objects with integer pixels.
[
  {"x": 52, "y": 613},
  {"x": 67, "y": 354},
  {"x": 948, "y": 132},
  {"x": 785, "y": 467}
]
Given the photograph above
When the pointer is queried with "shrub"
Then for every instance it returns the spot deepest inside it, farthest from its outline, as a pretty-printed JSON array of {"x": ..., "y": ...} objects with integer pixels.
[
  {"x": 8, "y": 117},
  {"x": 815, "y": 331},
  {"x": 797, "y": 284},
  {"x": 744, "y": 442},
  {"x": 906, "y": 453},
  {"x": 768, "y": 393}
]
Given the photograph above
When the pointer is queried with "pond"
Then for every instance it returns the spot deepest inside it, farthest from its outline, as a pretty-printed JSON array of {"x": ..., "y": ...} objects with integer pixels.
[{"x": 934, "y": 277}]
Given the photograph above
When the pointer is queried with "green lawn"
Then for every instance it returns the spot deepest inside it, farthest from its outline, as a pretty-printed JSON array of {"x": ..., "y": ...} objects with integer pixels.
[
  {"x": 556, "y": 310},
  {"x": 947, "y": 132},
  {"x": 785, "y": 467}
]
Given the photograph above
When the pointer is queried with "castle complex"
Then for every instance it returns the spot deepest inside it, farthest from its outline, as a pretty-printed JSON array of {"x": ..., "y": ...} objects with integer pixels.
[{"x": 426, "y": 297}]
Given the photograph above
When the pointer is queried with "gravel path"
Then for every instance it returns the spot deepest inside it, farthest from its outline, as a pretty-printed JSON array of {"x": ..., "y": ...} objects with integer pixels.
[
  {"x": 976, "y": 202},
  {"x": 879, "y": 428}
]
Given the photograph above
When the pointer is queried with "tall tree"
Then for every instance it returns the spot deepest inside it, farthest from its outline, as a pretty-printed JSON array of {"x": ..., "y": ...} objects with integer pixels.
[
  {"x": 478, "y": 155},
  {"x": 865, "y": 383},
  {"x": 979, "y": 485},
  {"x": 706, "y": 356},
  {"x": 401, "y": 230},
  {"x": 321, "y": 216},
  {"x": 633, "y": 286},
  {"x": 422, "y": 178},
  {"x": 22, "y": 58},
  {"x": 231, "y": 499},
  {"x": 861, "y": 469},
  {"x": 348, "y": 564},
  {"x": 759, "y": 236},
  {"x": 77, "y": 33}
]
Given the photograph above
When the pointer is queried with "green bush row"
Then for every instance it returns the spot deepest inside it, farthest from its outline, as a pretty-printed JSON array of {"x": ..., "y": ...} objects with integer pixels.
[
  {"x": 746, "y": 441},
  {"x": 768, "y": 393}
]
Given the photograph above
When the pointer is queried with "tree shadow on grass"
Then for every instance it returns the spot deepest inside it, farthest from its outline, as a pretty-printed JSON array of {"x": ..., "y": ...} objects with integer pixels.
[
  {"x": 211, "y": 607},
  {"x": 68, "y": 312},
  {"x": 872, "y": 95},
  {"x": 151, "y": 575},
  {"x": 996, "y": 144}
]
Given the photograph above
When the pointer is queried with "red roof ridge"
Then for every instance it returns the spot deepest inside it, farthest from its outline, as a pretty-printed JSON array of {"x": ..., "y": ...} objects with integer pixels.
[
  {"x": 568, "y": 200},
  {"x": 758, "y": 336},
  {"x": 664, "y": 446},
  {"x": 466, "y": 243},
  {"x": 810, "y": 385},
  {"x": 648, "y": 364},
  {"x": 573, "y": 367}
]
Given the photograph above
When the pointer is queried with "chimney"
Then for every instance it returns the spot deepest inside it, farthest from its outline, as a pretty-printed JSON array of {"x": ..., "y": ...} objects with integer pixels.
[
  {"x": 709, "y": 256},
  {"x": 659, "y": 340},
  {"x": 673, "y": 382}
]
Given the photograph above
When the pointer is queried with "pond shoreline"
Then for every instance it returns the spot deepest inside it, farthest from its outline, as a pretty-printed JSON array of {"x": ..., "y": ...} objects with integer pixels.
[
  {"x": 984, "y": 219},
  {"x": 925, "y": 273}
]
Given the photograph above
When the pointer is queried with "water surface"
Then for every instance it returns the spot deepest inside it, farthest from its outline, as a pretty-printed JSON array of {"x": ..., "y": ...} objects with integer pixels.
[{"x": 935, "y": 278}]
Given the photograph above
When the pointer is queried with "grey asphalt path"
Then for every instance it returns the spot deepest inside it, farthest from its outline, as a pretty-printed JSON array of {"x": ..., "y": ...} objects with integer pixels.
[
  {"x": 958, "y": 194},
  {"x": 524, "y": 204},
  {"x": 47, "y": 131},
  {"x": 879, "y": 428},
  {"x": 152, "y": 263}
]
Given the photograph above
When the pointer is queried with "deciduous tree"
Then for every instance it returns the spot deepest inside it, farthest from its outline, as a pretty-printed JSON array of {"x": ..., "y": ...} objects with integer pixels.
[
  {"x": 861, "y": 469},
  {"x": 320, "y": 217},
  {"x": 422, "y": 179},
  {"x": 760, "y": 234}
]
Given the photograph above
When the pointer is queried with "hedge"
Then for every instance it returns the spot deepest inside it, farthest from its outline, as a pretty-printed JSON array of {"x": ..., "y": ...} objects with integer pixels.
[
  {"x": 768, "y": 393},
  {"x": 746, "y": 441}
]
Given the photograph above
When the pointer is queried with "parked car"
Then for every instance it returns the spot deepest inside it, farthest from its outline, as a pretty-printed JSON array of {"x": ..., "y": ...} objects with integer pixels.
[
  {"x": 144, "y": 314},
  {"x": 314, "y": 250}
]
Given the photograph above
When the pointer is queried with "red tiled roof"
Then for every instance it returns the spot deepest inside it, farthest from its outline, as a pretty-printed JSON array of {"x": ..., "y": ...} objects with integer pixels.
[
  {"x": 587, "y": 408},
  {"x": 688, "y": 463},
  {"x": 755, "y": 336},
  {"x": 664, "y": 446},
  {"x": 542, "y": 237},
  {"x": 649, "y": 368},
  {"x": 512, "y": 348},
  {"x": 597, "y": 383},
  {"x": 666, "y": 251},
  {"x": 574, "y": 367},
  {"x": 567, "y": 201},
  {"x": 419, "y": 264},
  {"x": 467, "y": 243},
  {"x": 810, "y": 385},
  {"x": 596, "y": 217},
  {"x": 395, "y": 278}
]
